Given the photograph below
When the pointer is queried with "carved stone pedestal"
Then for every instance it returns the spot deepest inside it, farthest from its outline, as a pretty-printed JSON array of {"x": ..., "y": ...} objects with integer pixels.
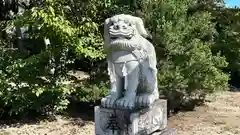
[{"x": 139, "y": 122}]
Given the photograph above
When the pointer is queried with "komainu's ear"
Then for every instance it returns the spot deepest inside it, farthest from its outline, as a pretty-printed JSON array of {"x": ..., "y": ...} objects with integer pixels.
[
  {"x": 106, "y": 26},
  {"x": 106, "y": 32},
  {"x": 140, "y": 27}
]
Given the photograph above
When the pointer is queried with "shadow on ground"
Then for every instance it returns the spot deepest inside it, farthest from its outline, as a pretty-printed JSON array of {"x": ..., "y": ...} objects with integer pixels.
[
  {"x": 83, "y": 110},
  {"x": 77, "y": 114},
  {"x": 17, "y": 121}
]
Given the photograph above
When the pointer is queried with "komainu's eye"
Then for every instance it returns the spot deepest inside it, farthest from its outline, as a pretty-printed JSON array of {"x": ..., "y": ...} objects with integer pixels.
[{"x": 129, "y": 24}]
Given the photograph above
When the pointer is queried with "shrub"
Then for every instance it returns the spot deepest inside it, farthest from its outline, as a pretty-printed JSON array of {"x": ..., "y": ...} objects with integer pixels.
[
  {"x": 25, "y": 84},
  {"x": 91, "y": 93},
  {"x": 22, "y": 91},
  {"x": 187, "y": 67},
  {"x": 183, "y": 41}
]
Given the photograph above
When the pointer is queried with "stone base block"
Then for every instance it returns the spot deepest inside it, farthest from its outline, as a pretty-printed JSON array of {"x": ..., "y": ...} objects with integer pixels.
[
  {"x": 123, "y": 122},
  {"x": 167, "y": 131}
]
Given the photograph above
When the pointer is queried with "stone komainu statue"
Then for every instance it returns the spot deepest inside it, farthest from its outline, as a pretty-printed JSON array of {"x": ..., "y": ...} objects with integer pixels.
[{"x": 131, "y": 63}]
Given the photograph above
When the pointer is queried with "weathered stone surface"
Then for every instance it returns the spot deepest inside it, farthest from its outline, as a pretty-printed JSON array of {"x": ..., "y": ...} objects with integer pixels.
[
  {"x": 122, "y": 122},
  {"x": 131, "y": 64}
]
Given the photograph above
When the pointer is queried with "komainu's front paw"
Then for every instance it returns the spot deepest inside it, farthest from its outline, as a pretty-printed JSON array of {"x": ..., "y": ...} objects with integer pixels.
[
  {"x": 126, "y": 103},
  {"x": 108, "y": 101},
  {"x": 145, "y": 100}
]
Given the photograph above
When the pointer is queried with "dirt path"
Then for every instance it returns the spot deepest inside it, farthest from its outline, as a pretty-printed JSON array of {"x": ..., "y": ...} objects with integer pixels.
[
  {"x": 219, "y": 117},
  {"x": 61, "y": 126}
]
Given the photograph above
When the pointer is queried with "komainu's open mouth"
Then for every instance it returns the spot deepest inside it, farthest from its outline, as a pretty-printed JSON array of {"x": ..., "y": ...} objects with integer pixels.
[
  {"x": 121, "y": 34},
  {"x": 123, "y": 37}
]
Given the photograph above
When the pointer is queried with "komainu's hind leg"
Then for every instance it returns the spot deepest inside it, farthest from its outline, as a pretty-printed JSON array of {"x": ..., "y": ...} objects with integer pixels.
[{"x": 151, "y": 94}]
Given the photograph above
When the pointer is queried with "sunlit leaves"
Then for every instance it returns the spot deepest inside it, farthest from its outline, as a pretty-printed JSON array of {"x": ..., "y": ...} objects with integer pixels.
[
  {"x": 188, "y": 65},
  {"x": 62, "y": 32}
]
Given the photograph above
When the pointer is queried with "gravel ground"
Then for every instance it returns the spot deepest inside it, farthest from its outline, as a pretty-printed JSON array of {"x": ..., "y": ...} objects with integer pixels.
[
  {"x": 60, "y": 126},
  {"x": 219, "y": 117}
]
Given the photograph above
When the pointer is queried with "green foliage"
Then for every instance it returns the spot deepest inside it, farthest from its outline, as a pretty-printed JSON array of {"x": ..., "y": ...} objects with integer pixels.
[
  {"x": 227, "y": 42},
  {"x": 84, "y": 40},
  {"x": 91, "y": 93},
  {"x": 21, "y": 92},
  {"x": 187, "y": 65},
  {"x": 24, "y": 83},
  {"x": 187, "y": 40}
]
